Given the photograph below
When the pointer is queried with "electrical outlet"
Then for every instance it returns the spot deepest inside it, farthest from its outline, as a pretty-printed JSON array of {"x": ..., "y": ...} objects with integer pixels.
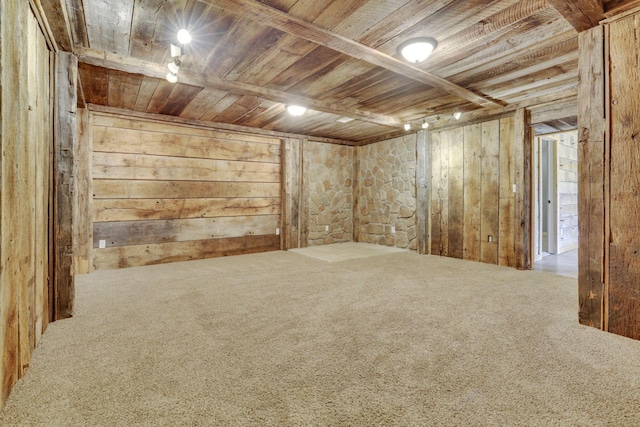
[
  {"x": 490, "y": 239},
  {"x": 277, "y": 231},
  {"x": 393, "y": 229},
  {"x": 102, "y": 244},
  {"x": 326, "y": 228},
  {"x": 514, "y": 188}
]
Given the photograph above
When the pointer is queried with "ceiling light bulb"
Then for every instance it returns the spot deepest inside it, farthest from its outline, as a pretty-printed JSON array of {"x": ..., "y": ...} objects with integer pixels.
[
  {"x": 296, "y": 110},
  {"x": 183, "y": 36},
  {"x": 457, "y": 115},
  {"x": 407, "y": 126},
  {"x": 173, "y": 67},
  {"x": 418, "y": 49},
  {"x": 171, "y": 77},
  {"x": 425, "y": 125}
]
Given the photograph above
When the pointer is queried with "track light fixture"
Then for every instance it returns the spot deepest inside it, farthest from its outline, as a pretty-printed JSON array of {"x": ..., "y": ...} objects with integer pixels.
[{"x": 176, "y": 51}]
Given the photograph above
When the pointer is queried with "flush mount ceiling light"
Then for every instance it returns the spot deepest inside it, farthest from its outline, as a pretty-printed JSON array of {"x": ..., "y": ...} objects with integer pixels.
[
  {"x": 418, "y": 49},
  {"x": 183, "y": 36},
  {"x": 407, "y": 126},
  {"x": 425, "y": 124},
  {"x": 296, "y": 110},
  {"x": 457, "y": 115}
]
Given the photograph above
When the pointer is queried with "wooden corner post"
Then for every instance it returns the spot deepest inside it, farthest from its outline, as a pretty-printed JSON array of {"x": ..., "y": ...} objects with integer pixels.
[
  {"x": 65, "y": 147},
  {"x": 522, "y": 158}
]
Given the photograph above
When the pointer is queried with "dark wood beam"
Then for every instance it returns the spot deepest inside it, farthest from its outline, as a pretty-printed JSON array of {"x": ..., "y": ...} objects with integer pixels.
[
  {"x": 150, "y": 69},
  {"x": 57, "y": 22},
  {"x": 614, "y": 8},
  {"x": 213, "y": 125},
  {"x": 581, "y": 14},
  {"x": 275, "y": 18}
]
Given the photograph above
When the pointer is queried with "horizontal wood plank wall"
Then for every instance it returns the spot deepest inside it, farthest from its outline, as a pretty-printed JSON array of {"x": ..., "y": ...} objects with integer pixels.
[
  {"x": 472, "y": 198},
  {"x": 165, "y": 192},
  {"x": 25, "y": 143}
]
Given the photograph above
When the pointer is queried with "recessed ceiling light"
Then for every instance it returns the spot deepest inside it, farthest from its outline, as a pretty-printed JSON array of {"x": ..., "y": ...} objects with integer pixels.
[
  {"x": 418, "y": 49},
  {"x": 171, "y": 77},
  {"x": 183, "y": 36},
  {"x": 296, "y": 110}
]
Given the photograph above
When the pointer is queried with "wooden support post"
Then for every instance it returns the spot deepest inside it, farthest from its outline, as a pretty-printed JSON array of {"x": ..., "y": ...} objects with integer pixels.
[
  {"x": 591, "y": 173},
  {"x": 304, "y": 196},
  {"x": 291, "y": 186},
  {"x": 356, "y": 194},
  {"x": 423, "y": 181},
  {"x": 83, "y": 224},
  {"x": 65, "y": 150},
  {"x": 522, "y": 160}
]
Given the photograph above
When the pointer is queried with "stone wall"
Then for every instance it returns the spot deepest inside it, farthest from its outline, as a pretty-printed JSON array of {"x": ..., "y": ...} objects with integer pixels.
[
  {"x": 387, "y": 193},
  {"x": 328, "y": 172}
]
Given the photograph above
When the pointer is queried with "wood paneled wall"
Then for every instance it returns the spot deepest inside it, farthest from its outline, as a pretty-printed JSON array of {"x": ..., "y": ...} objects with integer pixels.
[
  {"x": 26, "y": 144},
  {"x": 166, "y": 192},
  {"x": 472, "y": 198},
  {"x": 609, "y": 177}
]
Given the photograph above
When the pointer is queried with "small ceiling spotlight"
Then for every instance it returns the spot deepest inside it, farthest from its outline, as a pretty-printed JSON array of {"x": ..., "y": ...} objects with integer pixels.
[
  {"x": 457, "y": 115},
  {"x": 425, "y": 124},
  {"x": 176, "y": 51},
  {"x": 407, "y": 126},
  {"x": 296, "y": 110},
  {"x": 183, "y": 36},
  {"x": 174, "y": 66},
  {"x": 418, "y": 49},
  {"x": 172, "y": 77}
]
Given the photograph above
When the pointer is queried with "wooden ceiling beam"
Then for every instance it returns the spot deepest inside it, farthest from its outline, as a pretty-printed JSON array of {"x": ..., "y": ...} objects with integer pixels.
[
  {"x": 150, "y": 69},
  {"x": 289, "y": 24},
  {"x": 581, "y": 14}
]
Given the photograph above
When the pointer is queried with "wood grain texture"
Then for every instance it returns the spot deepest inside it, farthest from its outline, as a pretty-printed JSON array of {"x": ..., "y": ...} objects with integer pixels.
[
  {"x": 208, "y": 185},
  {"x": 65, "y": 151},
  {"x": 581, "y": 14},
  {"x": 456, "y": 193},
  {"x": 423, "y": 189},
  {"x": 591, "y": 174},
  {"x": 83, "y": 206},
  {"x": 291, "y": 193},
  {"x": 489, "y": 211},
  {"x": 472, "y": 191},
  {"x": 25, "y": 91},
  {"x": 133, "y": 256},
  {"x": 522, "y": 158},
  {"x": 624, "y": 218},
  {"x": 506, "y": 232}
]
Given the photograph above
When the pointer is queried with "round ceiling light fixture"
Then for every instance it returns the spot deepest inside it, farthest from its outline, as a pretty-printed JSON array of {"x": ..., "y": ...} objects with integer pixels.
[
  {"x": 183, "y": 36},
  {"x": 418, "y": 49},
  {"x": 296, "y": 110}
]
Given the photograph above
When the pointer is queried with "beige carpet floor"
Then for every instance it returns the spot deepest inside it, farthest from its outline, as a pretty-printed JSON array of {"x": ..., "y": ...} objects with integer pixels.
[{"x": 282, "y": 339}]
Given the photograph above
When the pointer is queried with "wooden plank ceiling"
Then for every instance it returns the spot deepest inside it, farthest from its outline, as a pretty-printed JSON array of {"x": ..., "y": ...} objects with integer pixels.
[{"x": 249, "y": 58}]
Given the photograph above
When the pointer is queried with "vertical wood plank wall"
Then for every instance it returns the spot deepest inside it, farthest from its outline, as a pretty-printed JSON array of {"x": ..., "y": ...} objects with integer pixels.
[
  {"x": 472, "y": 200},
  {"x": 166, "y": 192},
  {"x": 609, "y": 177},
  {"x": 25, "y": 143},
  {"x": 624, "y": 196}
]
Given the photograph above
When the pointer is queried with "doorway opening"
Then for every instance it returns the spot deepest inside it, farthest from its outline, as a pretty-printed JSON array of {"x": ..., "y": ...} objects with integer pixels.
[{"x": 555, "y": 170}]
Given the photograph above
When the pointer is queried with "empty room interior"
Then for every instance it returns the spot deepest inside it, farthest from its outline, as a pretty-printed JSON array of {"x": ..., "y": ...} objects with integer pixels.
[{"x": 302, "y": 212}]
